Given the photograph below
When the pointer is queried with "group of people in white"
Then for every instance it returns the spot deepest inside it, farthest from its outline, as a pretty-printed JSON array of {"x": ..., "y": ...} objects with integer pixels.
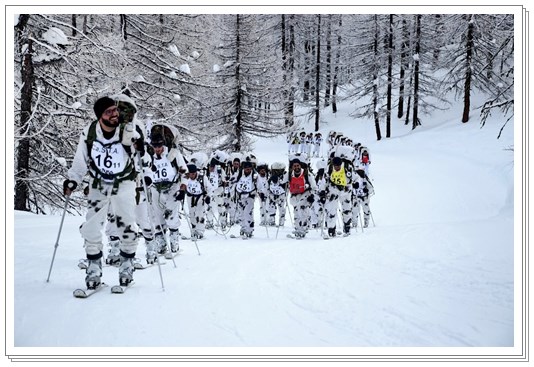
[{"x": 141, "y": 183}]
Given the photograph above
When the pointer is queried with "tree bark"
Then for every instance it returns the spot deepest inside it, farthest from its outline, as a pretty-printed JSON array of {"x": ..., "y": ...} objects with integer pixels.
[
  {"x": 403, "y": 66},
  {"x": 328, "y": 82},
  {"x": 415, "y": 117},
  {"x": 22, "y": 192},
  {"x": 390, "y": 76},
  {"x": 318, "y": 74},
  {"x": 468, "y": 71},
  {"x": 336, "y": 67},
  {"x": 375, "y": 84}
]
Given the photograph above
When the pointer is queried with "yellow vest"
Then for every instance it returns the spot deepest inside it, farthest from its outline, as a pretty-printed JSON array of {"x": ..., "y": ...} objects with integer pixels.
[{"x": 339, "y": 177}]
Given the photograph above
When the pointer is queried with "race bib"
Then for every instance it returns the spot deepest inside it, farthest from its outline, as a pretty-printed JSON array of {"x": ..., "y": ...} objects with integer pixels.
[
  {"x": 338, "y": 177},
  {"x": 245, "y": 184},
  {"x": 214, "y": 179},
  {"x": 194, "y": 187},
  {"x": 276, "y": 189},
  {"x": 165, "y": 172},
  {"x": 109, "y": 159}
]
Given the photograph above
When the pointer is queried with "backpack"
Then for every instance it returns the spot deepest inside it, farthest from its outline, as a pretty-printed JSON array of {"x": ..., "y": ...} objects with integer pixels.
[{"x": 168, "y": 135}]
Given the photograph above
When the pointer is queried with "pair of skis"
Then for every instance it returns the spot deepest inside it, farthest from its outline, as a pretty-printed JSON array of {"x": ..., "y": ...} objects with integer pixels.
[{"x": 86, "y": 293}]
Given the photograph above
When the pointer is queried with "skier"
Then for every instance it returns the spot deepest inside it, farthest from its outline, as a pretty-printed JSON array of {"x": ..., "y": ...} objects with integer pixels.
[
  {"x": 105, "y": 150},
  {"x": 317, "y": 141},
  {"x": 215, "y": 183},
  {"x": 262, "y": 184},
  {"x": 365, "y": 160},
  {"x": 301, "y": 189},
  {"x": 362, "y": 191},
  {"x": 302, "y": 143},
  {"x": 317, "y": 208},
  {"x": 193, "y": 186},
  {"x": 230, "y": 197},
  {"x": 245, "y": 191},
  {"x": 339, "y": 184},
  {"x": 277, "y": 188},
  {"x": 165, "y": 206},
  {"x": 128, "y": 110}
]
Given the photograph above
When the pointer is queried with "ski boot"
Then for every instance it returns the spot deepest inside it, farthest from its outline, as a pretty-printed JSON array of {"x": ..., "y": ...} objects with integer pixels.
[
  {"x": 346, "y": 230},
  {"x": 93, "y": 273},
  {"x": 174, "y": 238},
  {"x": 114, "y": 250},
  {"x": 161, "y": 244},
  {"x": 332, "y": 232},
  {"x": 300, "y": 234},
  {"x": 150, "y": 251},
  {"x": 197, "y": 235},
  {"x": 126, "y": 269},
  {"x": 365, "y": 222},
  {"x": 209, "y": 225}
]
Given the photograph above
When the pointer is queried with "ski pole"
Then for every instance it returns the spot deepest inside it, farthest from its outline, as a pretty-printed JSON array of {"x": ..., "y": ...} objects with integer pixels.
[
  {"x": 371, "y": 214},
  {"x": 289, "y": 211},
  {"x": 67, "y": 198}
]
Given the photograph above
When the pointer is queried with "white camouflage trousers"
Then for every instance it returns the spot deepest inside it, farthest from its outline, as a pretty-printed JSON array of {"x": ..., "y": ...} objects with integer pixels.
[
  {"x": 277, "y": 203},
  {"x": 301, "y": 211},
  {"x": 121, "y": 203},
  {"x": 197, "y": 214},
  {"x": 333, "y": 197},
  {"x": 165, "y": 209},
  {"x": 246, "y": 212}
]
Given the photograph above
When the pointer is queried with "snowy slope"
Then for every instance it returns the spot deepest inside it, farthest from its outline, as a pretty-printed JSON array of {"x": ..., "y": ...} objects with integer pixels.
[{"x": 437, "y": 270}]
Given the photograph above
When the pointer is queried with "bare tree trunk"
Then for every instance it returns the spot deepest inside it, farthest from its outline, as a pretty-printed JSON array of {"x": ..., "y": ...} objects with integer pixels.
[
  {"x": 318, "y": 73},
  {"x": 239, "y": 93},
  {"x": 328, "y": 73},
  {"x": 468, "y": 71},
  {"x": 336, "y": 67},
  {"x": 22, "y": 191},
  {"x": 291, "y": 69},
  {"x": 403, "y": 65},
  {"x": 415, "y": 118},
  {"x": 73, "y": 25},
  {"x": 375, "y": 84},
  {"x": 84, "y": 25},
  {"x": 390, "y": 77},
  {"x": 123, "y": 26}
]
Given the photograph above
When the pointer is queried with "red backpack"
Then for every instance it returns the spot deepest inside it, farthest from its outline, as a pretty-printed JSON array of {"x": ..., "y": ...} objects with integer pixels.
[{"x": 297, "y": 185}]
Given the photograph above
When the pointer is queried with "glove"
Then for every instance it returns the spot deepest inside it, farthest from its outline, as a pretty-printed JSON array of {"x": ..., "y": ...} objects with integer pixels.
[
  {"x": 129, "y": 135},
  {"x": 207, "y": 200},
  {"x": 140, "y": 146},
  {"x": 365, "y": 190},
  {"x": 86, "y": 190},
  {"x": 311, "y": 199},
  {"x": 181, "y": 195},
  {"x": 148, "y": 181},
  {"x": 69, "y": 186}
]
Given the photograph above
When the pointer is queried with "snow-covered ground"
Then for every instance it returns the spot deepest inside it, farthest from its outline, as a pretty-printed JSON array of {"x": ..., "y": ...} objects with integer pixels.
[{"x": 436, "y": 269}]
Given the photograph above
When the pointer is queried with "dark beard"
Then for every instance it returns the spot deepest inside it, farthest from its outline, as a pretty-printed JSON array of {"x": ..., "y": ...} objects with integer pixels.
[{"x": 109, "y": 123}]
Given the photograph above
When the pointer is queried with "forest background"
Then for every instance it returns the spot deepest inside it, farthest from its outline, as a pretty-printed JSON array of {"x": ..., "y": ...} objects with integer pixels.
[{"x": 225, "y": 79}]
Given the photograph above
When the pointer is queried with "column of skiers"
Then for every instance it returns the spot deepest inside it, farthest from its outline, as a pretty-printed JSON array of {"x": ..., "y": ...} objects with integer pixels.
[{"x": 221, "y": 190}]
